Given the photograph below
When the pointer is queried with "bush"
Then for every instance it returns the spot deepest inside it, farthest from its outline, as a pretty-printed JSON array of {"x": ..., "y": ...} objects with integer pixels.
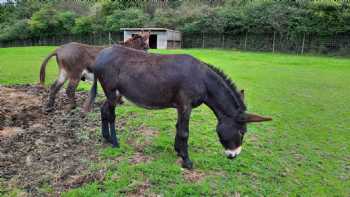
[
  {"x": 132, "y": 17},
  {"x": 45, "y": 22}
]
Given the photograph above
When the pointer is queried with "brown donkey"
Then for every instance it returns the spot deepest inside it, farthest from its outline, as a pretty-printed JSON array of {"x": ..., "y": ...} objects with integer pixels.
[{"x": 75, "y": 61}]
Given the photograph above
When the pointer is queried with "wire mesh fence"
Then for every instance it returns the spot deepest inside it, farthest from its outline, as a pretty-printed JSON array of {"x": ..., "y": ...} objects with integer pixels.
[
  {"x": 272, "y": 42},
  {"x": 101, "y": 38}
]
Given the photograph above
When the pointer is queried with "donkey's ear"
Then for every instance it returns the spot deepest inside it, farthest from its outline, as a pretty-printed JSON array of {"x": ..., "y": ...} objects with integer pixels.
[
  {"x": 255, "y": 118},
  {"x": 146, "y": 34},
  {"x": 241, "y": 92}
]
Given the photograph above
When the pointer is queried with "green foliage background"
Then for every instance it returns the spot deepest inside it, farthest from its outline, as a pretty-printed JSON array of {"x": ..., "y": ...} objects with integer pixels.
[{"x": 33, "y": 18}]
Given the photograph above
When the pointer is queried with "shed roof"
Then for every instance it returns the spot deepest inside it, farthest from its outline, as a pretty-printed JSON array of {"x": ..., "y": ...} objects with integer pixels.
[{"x": 146, "y": 29}]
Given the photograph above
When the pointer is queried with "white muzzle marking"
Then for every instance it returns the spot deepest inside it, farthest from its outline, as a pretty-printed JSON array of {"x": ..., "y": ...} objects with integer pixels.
[
  {"x": 88, "y": 75},
  {"x": 233, "y": 153}
]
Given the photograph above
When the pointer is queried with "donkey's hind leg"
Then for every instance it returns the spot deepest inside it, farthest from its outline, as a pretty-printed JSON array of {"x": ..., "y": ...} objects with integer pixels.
[
  {"x": 55, "y": 87},
  {"x": 108, "y": 119},
  {"x": 104, "y": 119},
  {"x": 119, "y": 98},
  {"x": 70, "y": 91}
]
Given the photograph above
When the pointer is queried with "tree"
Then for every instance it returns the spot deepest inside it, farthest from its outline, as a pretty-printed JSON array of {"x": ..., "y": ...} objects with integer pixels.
[
  {"x": 66, "y": 21},
  {"x": 19, "y": 30},
  {"x": 45, "y": 22},
  {"x": 83, "y": 24},
  {"x": 132, "y": 17}
]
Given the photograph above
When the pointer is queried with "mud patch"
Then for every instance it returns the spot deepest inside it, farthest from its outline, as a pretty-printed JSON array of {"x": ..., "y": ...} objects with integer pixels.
[
  {"x": 8, "y": 132},
  {"x": 37, "y": 148},
  {"x": 18, "y": 108},
  {"x": 78, "y": 180}
]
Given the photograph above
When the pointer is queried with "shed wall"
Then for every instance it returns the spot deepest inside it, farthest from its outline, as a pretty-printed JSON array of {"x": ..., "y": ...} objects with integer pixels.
[{"x": 161, "y": 37}]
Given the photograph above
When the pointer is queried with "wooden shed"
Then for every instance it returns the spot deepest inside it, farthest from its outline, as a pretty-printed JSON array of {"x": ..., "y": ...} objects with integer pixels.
[{"x": 160, "y": 38}]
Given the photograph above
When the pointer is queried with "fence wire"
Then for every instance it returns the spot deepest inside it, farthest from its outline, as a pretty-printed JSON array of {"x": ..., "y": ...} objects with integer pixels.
[
  {"x": 274, "y": 42},
  {"x": 299, "y": 44},
  {"x": 102, "y": 38}
]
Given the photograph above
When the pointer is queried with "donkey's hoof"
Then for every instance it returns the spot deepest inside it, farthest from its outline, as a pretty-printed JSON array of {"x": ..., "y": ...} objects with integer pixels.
[
  {"x": 187, "y": 164},
  {"x": 107, "y": 140},
  {"x": 115, "y": 145},
  {"x": 120, "y": 102},
  {"x": 70, "y": 107},
  {"x": 49, "y": 109}
]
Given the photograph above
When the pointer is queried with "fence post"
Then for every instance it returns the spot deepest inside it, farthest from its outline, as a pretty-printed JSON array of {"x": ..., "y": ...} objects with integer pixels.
[
  {"x": 273, "y": 42},
  {"x": 223, "y": 40},
  {"x": 245, "y": 40},
  {"x": 303, "y": 44},
  {"x": 109, "y": 38},
  {"x": 202, "y": 39}
]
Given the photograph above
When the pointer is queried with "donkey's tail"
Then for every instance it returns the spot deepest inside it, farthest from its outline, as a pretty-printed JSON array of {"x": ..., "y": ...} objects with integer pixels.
[
  {"x": 92, "y": 95},
  {"x": 43, "y": 67}
]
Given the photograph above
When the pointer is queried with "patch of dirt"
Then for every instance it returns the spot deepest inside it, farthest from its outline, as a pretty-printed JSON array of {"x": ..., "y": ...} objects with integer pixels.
[
  {"x": 38, "y": 148},
  {"x": 193, "y": 175},
  {"x": 148, "y": 131},
  {"x": 139, "y": 140},
  {"x": 8, "y": 132},
  {"x": 142, "y": 138},
  {"x": 78, "y": 180},
  {"x": 139, "y": 157},
  {"x": 141, "y": 190}
]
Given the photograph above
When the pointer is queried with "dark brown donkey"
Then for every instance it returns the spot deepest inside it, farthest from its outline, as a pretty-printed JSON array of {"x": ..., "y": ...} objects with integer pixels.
[
  {"x": 75, "y": 60},
  {"x": 183, "y": 82}
]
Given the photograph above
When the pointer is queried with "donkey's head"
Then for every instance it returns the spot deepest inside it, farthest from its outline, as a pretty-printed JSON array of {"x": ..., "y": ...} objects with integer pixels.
[
  {"x": 231, "y": 130},
  {"x": 138, "y": 41}
]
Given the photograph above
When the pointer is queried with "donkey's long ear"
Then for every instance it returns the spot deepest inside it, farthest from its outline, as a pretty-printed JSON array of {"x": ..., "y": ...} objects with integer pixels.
[
  {"x": 255, "y": 118},
  {"x": 147, "y": 34}
]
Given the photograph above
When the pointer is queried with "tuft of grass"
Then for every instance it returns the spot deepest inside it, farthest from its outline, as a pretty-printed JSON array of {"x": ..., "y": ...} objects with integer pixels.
[{"x": 303, "y": 152}]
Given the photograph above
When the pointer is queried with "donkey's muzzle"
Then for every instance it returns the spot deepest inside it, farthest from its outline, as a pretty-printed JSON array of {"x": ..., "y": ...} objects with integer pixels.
[{"x": 231, "y": 154}]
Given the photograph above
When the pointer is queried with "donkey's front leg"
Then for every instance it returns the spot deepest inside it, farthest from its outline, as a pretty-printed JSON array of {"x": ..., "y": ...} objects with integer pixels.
[{"x": 182, "y": 133}]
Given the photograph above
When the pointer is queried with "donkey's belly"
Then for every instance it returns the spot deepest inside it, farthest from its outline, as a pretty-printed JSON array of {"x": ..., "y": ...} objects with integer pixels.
[
  {"x": 148, "y": 104},
  {"x": 150, "y": 99}
]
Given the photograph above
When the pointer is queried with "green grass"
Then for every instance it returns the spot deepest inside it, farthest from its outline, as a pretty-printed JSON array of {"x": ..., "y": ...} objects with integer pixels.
[{"x": 305, "y": 151}]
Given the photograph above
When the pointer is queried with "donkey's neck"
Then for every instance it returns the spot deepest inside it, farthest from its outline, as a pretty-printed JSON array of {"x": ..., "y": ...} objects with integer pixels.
[
  {"x": 220, "y": 98},
  {"x": 221, "y": 110}
]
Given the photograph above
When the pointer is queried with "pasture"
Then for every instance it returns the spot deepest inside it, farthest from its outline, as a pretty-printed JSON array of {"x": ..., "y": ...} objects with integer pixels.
[{"x": 304, "y": 151}]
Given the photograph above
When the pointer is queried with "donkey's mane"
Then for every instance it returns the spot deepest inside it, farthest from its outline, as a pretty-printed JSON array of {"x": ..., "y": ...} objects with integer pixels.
[{"x": 234, "y": 93}]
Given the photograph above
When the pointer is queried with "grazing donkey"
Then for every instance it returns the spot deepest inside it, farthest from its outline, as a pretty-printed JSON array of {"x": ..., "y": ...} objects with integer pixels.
[
  {"x": 156, "y": 81},
  {"x": 75, "y": 61}
]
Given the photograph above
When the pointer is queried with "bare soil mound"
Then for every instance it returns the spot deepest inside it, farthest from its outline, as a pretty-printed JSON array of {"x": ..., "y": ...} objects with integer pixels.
[{"x": 39, "y": 149}]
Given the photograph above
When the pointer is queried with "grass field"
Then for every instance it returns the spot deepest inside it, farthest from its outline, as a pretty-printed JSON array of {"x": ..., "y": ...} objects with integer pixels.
[{"x": 305, "y": 151}]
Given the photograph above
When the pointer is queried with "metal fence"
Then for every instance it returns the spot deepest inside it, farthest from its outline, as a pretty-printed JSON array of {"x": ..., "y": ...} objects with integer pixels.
[
  {"x": 298, "y": 44},
  {"x": 102, "y": 38},
  {"x": 275, "y": 42}
]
